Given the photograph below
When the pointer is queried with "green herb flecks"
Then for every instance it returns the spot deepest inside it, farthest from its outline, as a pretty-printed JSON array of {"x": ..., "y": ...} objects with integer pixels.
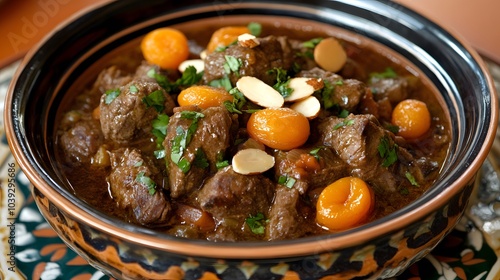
[
  {"x": 159, "y": 130},
  {"x": 387, "y": 74},
  {"x": 282, "y": 81},
  {"x": 286, "y": 181},
  {"x": 189, "y": 77},
  {"x": 148, "y": 182},
  {"x": 255, "y": 28},
  {"x": 315, "y": 152},
  {"x": 392, "y": 128},
  {"x": 412, "y": 179},
  {"x": 232, "y": 64},
  {"x": 155, "y": 99},
  {"x": 257, "y": 223},
  {"x": 238, "y": 102},
  {"x": 223, "y": 82},
  {"x": 387, "y": 152},
  {"x": 110, "y": 95},
  {"x": 200, "y": 159},
  {"x": 133, "y": 89},
  {"x": 220, "y": 161},
  {"x": 345, "y": 122},
  {"x": 183, "y": 138}
]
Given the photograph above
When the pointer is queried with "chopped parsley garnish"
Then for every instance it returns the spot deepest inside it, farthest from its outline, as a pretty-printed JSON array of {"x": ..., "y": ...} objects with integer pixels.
[
  {"x": 282, "y": 81},
  {"x": 133, "y": 89},
  {"x": 232, "y": 64},
  {"x": 314, "y": 152},
  {"x": 326, "y": 94},
  {"x": 189, "y": 77},
  {"x": 392, "y": 128},
  {"x": 344, "y": 113},
  {"x": 223, "y": 82},
  {"x": 287, "y": 181},
  {"x": 111, "y": 94},
  {"x": 410, "y": 178},
  {"x": 346, "y": 122},
  {"x": 387, "y": 152},
  {"x": 238, "y": 102},
  {"x": 221, "y": 162},
  {"x": 183, "y": 138},
  {"x": 388, "y": 73},
  {"x": 148, "y": 182},
  {"x": 137, "y": 164},
  {"x": 159, "y": 154},
  {"x": 156, "y": 99},
  {"x": 256, "y": 223},
  {"x": 200, "y": 159},
  {"x": 255, "y": 28},
  {"x": 160, "y": 128},
  {"x": 311, "y": 44}
]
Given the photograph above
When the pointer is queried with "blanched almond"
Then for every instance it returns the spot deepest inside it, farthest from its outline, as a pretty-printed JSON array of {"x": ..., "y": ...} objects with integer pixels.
[
  {"x": 252, "y": 161},
  {"x": 303, "y": 87},
  {"x": 197, "y": 63},
  {"x": 259, "y": 92},
  {"x": 309, "y": 107},
  {"x": 248, "y": 40},
  {"x": 203, "y": 54},
  {"x": 330, "y": 55}
]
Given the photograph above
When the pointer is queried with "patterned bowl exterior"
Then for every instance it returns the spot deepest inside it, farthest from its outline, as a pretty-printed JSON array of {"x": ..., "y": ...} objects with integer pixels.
[
  {"x": 380, "y": 249},
  {"x": 383, "y": 257}
]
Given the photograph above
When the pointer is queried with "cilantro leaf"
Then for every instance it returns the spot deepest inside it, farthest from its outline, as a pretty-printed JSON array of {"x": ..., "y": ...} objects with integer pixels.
[
  {"x": 159, "y": 130},
  {"x": 346, "y": 122},
  {"x": 387, "y": 152},
  {"x": 387, "y": 74},
  {"x": 148, "y": 182},
  {"x": 255, "y": 28},
  {"x": 200, "y": 159},
  {"x": 183, "y": 138},
  {"x": 410, "y": 178},
  {"x": 256, "y": 223},
  {"x": 287, "y": 181},
  {"x": 155, "y": 99},
  {"x": 311, "y": 44},
  {"x": 111, "y": 94},
  {"x": 232, "y": 64}
]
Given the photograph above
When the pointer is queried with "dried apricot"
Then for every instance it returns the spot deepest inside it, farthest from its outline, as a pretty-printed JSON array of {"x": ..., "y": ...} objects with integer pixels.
[
  {"x": 165, "y": 47},
  {"x": 412, "y": 117},
  {"x": 225, "y": 36},
  {"x": 279, "y": 128},
  {"x": 203, "y": 96}
]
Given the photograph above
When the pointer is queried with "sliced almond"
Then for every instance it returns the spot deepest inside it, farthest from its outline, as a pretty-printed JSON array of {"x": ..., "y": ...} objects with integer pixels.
[
  {"x": 248, "y": 40},
  {"x": 303, "y": 87},
  {"x": 309, "y": 107},
  {"x": 203, "y": 54},
  {"x": 252, "y": 161},
  {"x": 330, "y": 55},
  {"x": 259, "y": 92},
  {"x": 199, "y": 64}
]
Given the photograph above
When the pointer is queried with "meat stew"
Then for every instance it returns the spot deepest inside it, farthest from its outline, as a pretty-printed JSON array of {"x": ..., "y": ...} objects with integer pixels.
[{"x": 143, "y": 144}]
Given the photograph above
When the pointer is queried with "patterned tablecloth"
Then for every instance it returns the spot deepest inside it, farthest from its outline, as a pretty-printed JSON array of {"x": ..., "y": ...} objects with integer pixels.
[{"x": 30, "y": 249}]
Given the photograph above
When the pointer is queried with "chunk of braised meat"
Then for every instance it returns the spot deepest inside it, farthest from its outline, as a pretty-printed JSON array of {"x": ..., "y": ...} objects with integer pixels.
[
  {"x": 210, "y": 140},
  {"x": 231, "y": 198},
  {"x": 285, "y": 220},
  {"x": 344, "y": 93},
  {"x": 136, "y": 186},
  {"x": 127, "y": 117},
  {"x": 273, "y": 52},
  {"x": 80, "y": 136},
  {"x": 367, "y": 148},
  {"x": 310, "y": 171},
  {"x": 395, "y": 89}
]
